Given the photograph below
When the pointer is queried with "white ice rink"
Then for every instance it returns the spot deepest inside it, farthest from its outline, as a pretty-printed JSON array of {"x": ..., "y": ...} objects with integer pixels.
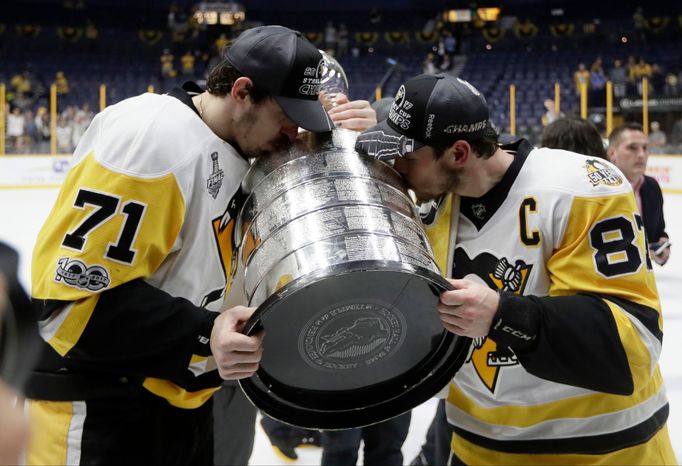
[{"x": 22, "y": 212}]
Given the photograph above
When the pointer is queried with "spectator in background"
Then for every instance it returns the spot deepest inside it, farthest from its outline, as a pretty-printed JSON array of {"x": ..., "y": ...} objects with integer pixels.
[
  {"x": 22, "y": 83},
  {"x": 671, "y": 87},
  {"x": 429, "y": 64},
  {"x": 15, "y": 130},
  {"x": 167, "y": 68},
  {"x": 187, "y": 62},
  {"x": 619, "y": 77},
  {"x": 657, "y": 138},
  {"x": 42, "y": 120},
  {"x": 628, "y": 150},
  {"x": 62, "y": 83},
  {"x": 30, "y": 130},
  {"x": 642, "y": 70},
  {"x": 597, "y": 83},
  {"x": 78, "y": 126},
  {"x": 676, "y": 133},
  {"x": 581, "y": 76},
  {"x": 64, "y": 135},
  {"x": 631, "y": 69},
  {"x": 550, "y": 115},
  {"x": 220, "y": 43},
  {"x": 574, "y": 134}
]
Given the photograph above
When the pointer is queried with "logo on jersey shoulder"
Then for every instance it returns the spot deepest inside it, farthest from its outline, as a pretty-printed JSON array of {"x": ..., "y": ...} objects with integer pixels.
[
  {"x": 500, "y": 274},
  {"x": 600, "y": 173},
  {"x": 215, "y": 180},
  {"x": 78, "y": 275}
]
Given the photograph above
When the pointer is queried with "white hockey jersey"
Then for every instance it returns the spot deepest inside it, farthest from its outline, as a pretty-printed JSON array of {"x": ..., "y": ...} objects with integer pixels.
[
  {"x": 137, "y": 252},
  {"x": 563, "y": 230}
]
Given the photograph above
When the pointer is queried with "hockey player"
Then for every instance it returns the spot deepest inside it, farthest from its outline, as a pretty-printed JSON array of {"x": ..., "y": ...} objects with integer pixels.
[
  {"x": 133, "y": 263},
  {"x": 551, "y": 279}
]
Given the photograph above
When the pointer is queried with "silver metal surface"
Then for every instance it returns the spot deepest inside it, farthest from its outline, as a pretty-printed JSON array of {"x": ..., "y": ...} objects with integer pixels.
[{"x": 324, "y": 205}]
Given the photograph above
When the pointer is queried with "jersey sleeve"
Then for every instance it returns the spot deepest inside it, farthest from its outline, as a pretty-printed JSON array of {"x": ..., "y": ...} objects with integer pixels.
[
  {"x": 600, "y": 327},
  {"x": 106, "y": 234}
]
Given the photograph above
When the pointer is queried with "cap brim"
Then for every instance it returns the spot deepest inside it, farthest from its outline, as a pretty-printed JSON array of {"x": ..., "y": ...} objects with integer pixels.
[
  {"x": 308, "y": 114},
  {"x": 385, "y": 143}
]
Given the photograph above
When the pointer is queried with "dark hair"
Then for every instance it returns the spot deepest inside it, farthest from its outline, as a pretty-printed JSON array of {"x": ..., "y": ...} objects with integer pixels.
[
  {"x": 615, "y": 134},
  {"x": 484, "y": 145},
  {"x": 221, "y": 78},
  {"x": 574, "y": 134}
]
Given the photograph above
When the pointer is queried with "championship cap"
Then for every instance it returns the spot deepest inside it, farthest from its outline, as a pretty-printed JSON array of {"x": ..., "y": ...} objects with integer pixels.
[
  {"x": 427, "y": 110},
  {"x": 289, "y": 67}
]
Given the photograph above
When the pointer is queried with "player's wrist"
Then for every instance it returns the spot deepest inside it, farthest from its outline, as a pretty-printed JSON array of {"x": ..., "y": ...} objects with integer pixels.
[{"x": 515, "y": 324}]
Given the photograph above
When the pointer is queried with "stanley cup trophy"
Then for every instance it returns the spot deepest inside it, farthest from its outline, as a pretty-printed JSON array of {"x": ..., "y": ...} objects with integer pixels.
[
  {"x": 333, "y": 81},
  {"x": 337, "y": 262}
]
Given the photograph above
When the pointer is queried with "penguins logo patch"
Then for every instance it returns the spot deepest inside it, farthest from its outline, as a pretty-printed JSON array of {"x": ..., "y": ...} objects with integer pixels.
[{"x": 500, "y": 274}]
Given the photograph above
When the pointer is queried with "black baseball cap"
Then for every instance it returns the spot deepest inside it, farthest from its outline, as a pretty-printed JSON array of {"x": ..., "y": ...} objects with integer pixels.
[
  {"x": 289, "y": 67},
  {"x": 427, "y": 110}
]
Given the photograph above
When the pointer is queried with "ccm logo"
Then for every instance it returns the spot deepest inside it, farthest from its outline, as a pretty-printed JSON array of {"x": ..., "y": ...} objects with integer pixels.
[
  {"x": 513, "y": 331},
  {"x": 516, "y": 333}
]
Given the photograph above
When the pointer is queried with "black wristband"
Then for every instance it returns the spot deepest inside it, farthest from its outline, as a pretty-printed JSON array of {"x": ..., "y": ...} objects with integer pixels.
[{"x": 516, "y": 322}]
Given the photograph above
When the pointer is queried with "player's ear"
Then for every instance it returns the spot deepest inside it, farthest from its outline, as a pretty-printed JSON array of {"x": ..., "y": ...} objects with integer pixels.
[
  {"x": 240, "y": 88},
  {"x": 460, "y": 151}
]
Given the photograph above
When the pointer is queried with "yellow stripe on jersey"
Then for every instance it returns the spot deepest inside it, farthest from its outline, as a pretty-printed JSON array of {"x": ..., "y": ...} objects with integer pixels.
[
  {"x": 72, "y": 327},
  {"x": 656, "y": 451},
  {"x": 159, "y": 212},
  {"x": 590, "y": 243},
  {"x": 50, "y": 421},
  {"x": 178, "y": 397},
  {"x": 439, "y": 234},
  {"x": 197, "y": 359},
  {"x": 578, "y": 407}
]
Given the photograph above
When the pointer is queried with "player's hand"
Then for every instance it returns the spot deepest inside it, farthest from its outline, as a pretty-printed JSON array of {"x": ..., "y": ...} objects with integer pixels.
[
  {"x": 469, "y": 309},
  {"x": 357, "y": 115},
  {"x": 237, "y": 355},
  {"x": 663, "y": 257}
]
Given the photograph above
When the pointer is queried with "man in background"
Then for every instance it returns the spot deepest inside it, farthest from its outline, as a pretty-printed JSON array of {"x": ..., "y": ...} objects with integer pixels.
[{"x": 628, "y": 150}]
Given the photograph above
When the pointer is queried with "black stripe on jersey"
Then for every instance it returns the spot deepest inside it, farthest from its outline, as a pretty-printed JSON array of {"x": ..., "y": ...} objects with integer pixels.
[
  {"x": 577, "y": 343},
  {"x": 646, "y": 315},
  {"x": 44, "y": 308},
  {"x": 481, "y": 209},
  {"x": 592, "y": 445},
  {"x": 139, "y": 330}
]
